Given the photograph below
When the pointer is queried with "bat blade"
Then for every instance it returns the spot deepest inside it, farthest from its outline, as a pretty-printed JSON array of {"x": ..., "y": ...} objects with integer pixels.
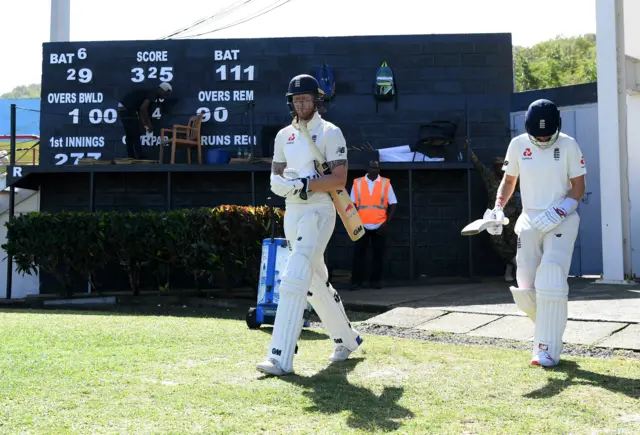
[{"x": 479, "y": 225}]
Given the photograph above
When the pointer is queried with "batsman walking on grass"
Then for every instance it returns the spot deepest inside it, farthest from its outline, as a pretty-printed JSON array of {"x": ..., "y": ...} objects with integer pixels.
[
  {"x": 552, "y": 173},
  {"x": 309, "y": 222}
]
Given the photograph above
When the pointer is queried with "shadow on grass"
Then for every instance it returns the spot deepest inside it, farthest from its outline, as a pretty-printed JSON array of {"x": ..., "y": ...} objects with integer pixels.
[
  {"x": 577, "y": 376},
  {"x": 332, "y": 393}
]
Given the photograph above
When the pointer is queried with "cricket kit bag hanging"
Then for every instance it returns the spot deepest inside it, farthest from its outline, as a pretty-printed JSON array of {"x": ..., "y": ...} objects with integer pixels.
[{"x": 384, "y": 87}]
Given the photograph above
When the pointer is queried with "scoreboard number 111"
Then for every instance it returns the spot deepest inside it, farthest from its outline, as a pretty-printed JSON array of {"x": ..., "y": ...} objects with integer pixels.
[{"x": 236, "y": 71}]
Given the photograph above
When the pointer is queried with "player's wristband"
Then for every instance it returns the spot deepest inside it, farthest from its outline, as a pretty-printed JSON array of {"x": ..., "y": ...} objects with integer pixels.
[{"x": 569, "y": 205}]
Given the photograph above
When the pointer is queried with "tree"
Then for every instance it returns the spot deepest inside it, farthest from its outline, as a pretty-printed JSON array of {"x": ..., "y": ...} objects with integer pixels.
[
  {"x": 558, "y": 62},
  {"x": 29, "y": 91}
]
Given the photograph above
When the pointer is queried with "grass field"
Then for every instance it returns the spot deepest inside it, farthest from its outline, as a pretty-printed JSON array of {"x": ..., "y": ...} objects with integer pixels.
[
  {"x": 92, "y": 372},
  {"x": 23, "y": 157}
]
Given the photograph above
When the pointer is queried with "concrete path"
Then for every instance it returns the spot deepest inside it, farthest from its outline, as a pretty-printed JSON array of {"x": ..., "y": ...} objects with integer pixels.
[{"x": 600, "y": 315}]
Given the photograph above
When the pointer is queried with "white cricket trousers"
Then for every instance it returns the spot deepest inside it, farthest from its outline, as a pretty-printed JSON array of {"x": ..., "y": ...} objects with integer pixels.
[
  {"x": 535, "y": 248},
  {"x": 543, "y": 268}
]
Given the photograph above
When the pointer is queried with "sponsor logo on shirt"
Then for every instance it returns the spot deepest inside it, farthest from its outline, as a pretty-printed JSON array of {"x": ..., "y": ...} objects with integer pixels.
[{"x": 527, "y": 154}]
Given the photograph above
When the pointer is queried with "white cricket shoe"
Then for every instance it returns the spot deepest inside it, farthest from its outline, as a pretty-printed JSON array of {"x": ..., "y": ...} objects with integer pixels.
[
  {"x": 271, "y": 367},
  {"x": 341, "y": 353},
  {"x": 543, "y": 359}
]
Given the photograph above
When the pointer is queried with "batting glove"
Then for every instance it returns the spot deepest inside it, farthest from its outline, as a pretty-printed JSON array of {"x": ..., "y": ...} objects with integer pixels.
[
  {"x": 554, "y": 215},
  {"x": 286, "y": 187},
  {"x": 496, "y": 214}
]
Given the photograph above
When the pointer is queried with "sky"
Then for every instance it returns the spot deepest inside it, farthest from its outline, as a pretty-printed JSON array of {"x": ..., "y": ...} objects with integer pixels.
[{"x": 25, "y": 23}]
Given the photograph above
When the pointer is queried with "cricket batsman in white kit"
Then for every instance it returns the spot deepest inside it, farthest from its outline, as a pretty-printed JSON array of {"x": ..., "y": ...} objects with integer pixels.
[
  {"x": 552, "y": 172},
  {"x": 309, "y": 222}
]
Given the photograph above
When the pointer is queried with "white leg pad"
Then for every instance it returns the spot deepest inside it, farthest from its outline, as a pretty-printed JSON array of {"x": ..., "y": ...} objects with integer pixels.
[
  {"x": 288, "y": 322},
  {"x": 552, "y": 294},
  {"x": 328, "y": 305},
  {"x": 525, "y": 299}
]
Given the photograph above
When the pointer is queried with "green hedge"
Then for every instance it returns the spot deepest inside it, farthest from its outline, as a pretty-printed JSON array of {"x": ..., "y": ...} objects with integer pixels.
[{"x": 223, "y": 244}]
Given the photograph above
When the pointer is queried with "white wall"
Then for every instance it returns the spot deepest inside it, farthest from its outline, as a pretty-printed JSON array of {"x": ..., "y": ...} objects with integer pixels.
[
  {"x": 633, "y": 144},
  {"x": 21, "y": 285},
  {"x": 631, "y": 29},
  {"x": 632, "y": 48}
]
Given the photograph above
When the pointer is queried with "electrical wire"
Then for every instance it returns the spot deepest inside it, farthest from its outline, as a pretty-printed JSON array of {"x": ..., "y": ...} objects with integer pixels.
[
  {"x": 223, "y": 12},
  {"x": 259, "y": 14},
  {"x": 220, "y": 14}
]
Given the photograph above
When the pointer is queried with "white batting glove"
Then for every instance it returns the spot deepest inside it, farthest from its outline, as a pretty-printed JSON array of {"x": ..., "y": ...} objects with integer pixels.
[
  {"x": 286, "y": 187},
  {"x": 554, "y": 215},
  {"x": 496, "y": 214}
]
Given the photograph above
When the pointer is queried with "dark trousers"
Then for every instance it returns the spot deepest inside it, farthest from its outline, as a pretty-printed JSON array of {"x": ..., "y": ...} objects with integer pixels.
[
  {"x": 131, "y": 126},
  {"x": 360, "y": 254}
]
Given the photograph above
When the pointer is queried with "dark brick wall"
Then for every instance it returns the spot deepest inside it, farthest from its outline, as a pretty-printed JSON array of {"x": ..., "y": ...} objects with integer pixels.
[{"x": 466, "y": 79}]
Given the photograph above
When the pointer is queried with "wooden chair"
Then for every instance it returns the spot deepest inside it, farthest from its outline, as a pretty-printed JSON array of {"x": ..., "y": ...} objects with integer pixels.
[{"x": 183, "y": 135}]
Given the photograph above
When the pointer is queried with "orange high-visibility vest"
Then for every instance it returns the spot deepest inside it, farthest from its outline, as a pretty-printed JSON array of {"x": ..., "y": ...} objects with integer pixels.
[{"x": 371, "y": 207}]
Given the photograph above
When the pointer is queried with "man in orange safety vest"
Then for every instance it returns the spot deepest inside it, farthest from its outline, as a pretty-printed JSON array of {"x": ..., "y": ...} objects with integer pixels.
[{"x": 376, "y": 203}]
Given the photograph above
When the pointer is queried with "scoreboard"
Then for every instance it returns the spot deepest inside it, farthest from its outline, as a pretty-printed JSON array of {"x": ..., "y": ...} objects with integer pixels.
[{"x": 83, "y": 83}]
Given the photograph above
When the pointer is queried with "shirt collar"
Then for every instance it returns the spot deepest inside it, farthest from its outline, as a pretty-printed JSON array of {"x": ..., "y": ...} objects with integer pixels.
[{"x": 314, "y": 122}]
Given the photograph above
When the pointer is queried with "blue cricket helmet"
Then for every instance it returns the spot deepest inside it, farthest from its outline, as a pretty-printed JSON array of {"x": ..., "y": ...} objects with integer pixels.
[
  {"x": 303, "y": 84},
  {"x": 543, "y": 120}
]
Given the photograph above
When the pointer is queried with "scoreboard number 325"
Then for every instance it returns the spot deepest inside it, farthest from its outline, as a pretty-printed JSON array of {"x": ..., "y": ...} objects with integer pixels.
[{"x": 164, "y": 73}]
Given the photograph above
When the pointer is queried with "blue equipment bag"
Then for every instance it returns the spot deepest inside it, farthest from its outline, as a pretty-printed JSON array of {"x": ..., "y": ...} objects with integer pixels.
[{"x": 275, "y": 254}]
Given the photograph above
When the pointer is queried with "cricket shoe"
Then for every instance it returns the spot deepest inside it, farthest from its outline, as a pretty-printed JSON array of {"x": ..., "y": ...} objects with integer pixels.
[
  {"x": 272, "y": 367},
  {"x": 341, "y": 353},
  {"x": 543, "y": 359}
]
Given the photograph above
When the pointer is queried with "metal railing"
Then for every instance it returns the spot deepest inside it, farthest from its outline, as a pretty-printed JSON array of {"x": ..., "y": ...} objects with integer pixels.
[{"x": 33, "y": 149}]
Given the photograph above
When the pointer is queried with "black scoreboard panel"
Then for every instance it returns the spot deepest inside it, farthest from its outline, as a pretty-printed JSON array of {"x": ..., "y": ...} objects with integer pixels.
[{"x": 83, "y": 81}]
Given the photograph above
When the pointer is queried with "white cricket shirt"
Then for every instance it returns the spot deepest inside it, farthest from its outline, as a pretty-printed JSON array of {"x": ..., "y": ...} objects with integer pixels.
[
  {"x": 544, "y": 174},
  {"x": 292, "y": 148}
]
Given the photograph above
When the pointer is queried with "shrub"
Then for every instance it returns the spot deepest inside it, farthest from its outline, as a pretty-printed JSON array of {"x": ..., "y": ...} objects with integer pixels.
[{"x": 223, "y": 244}]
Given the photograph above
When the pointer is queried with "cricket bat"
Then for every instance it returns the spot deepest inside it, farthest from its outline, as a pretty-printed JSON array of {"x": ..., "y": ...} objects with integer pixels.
[
  {"x": 341, "y": 199},
  {"x": 479, "y": 225}
]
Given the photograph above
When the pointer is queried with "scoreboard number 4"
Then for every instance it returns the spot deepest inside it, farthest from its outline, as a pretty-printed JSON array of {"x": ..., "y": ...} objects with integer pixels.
[{"x": 165, "y": 74}]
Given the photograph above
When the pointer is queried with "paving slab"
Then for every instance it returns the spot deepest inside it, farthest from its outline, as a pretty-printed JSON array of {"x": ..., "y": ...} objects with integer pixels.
[
  {"x": 405, "y": 317},
  {"x": 508, "y": 327},
  {"x": 457, "y": 322},
  {"x": 628, "y": 338},
  {"x": 496, "y": 309},
  {"x": 624, "y": 310},
  {"x": 589, "y": 333}
]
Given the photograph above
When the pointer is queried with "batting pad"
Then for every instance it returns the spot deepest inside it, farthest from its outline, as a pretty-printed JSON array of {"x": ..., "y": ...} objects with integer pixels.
[
  {"x": 328, "y": 306},
  {"x": 288, "y": 322},
  {"x": 525, "y": 299},
  {"x": 552, "y": 294}
]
